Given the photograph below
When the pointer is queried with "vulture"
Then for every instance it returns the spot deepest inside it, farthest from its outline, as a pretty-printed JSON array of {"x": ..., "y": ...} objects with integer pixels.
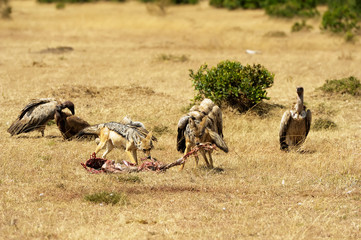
[
  {"x": 36, "y": 114},
  {"x": 207, "y": 108},
  {"x": 295, "y": 124},
  {"x": 202, "y": 124},
  {"x": 69, "y": 125}
]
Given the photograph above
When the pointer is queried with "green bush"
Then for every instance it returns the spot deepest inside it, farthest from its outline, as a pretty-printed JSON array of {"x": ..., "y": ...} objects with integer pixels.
[
  {"x": 340, "y": 19},
  {"x": 291, "y": 8},
  {"x": 350, "y": 85},
  {"x": 107, "y": 198},
  {"x": 177, "y": 2},
  {"x": 234, "y": 4},
  {"x": 297, "y": 27},
  {"x": 232, "y": 83}
]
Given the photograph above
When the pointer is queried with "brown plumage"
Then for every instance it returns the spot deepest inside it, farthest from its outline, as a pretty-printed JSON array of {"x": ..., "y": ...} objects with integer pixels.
[
  {"x": 295, "y": 124},
  {"x": 36, "y": 114},
  {"x": 69, "y": 125}
]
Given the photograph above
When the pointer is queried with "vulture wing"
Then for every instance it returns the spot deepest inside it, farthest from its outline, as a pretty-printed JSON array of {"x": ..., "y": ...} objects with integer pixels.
[
  {"x": 216, "y": 116},
  {"x": 308, "y": 121},
  {"x": 182, "y": 125},
  {"x": 284, "y": 128},
  {"x": 34, "y": 116}
]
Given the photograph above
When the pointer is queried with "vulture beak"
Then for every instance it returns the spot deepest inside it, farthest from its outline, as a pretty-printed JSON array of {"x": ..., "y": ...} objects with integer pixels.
[{"x": 69, "y": 105}]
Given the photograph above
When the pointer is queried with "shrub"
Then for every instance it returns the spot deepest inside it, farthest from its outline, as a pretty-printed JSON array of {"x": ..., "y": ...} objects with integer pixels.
[
  {"x": 296, "y": 27},
  {"x": 178, "y": 2},
  {"x": 340, "y": 19},
  {"x": 350, "y": 85},
  {"x": 231, "y": 83},
  {"x": 291, "y": 8},
  {"x": 107, "y": 198},
  {"x": 234, "y": 4}
]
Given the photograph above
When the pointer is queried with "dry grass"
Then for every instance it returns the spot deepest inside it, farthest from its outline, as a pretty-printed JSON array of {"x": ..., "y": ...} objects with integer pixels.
[{"x": 113, "y": 71}]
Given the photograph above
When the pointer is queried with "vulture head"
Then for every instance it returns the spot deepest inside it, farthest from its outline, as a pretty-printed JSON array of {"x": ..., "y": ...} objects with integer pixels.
[
  {"x": 300, "y": 91},
  {"x": 67, "y": 104}
]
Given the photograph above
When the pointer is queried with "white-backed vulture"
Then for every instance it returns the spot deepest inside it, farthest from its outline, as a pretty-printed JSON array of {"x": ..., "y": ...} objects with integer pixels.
[
  {"x": 36, "y": 114},
  {"x": 202, "y": 123},
  {"x": 295, "y": 124},
  {"x": 69, "y": 125}
]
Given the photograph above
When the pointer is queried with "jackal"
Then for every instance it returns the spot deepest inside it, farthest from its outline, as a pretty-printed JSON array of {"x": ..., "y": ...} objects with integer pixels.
[
  {"x": 131, "y": 136},
  {"x": 202, "y": 124}
]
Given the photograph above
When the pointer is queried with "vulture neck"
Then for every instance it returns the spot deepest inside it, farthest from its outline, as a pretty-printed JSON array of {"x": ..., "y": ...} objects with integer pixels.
[{"x": 299, "y": 104}]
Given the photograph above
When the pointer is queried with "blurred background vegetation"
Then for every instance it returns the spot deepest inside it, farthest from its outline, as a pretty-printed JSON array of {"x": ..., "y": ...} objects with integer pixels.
[{"x": 342, "y": 16}]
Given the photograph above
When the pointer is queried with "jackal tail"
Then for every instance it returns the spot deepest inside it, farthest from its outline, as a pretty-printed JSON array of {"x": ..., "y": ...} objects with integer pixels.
[
  {"x": 218, "y": 140},
  {"x": 93, "y": 130}
]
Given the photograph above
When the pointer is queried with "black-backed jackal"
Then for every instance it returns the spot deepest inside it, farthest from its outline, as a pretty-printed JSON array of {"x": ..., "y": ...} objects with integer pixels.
[
  {"x": 131, "y": 137},
  {"x": 201, "y": 125}
]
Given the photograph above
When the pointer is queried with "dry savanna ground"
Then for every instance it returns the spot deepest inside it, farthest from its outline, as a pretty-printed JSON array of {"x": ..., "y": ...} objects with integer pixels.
[{"x": 128, "y": 59}]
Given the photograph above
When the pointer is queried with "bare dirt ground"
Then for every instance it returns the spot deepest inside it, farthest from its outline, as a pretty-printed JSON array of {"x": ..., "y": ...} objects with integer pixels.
[{"x": 129, "y": 60}]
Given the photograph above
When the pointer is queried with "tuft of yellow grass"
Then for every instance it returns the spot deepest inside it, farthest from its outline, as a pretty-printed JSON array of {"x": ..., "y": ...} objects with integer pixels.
[{"x": 262, "y": 192}]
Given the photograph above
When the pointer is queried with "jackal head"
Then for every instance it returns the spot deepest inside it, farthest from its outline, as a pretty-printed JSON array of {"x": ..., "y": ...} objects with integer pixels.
[
  {"x": 197, "y": 131},
  {"x": 146, "y": 145}
]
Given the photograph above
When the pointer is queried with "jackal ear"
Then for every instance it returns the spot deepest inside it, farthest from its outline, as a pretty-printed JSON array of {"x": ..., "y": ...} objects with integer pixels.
[
  {"x": 203, "y": 123},
  {"x": 149, "y": 136},
  {"x": 191, "y": 122}
]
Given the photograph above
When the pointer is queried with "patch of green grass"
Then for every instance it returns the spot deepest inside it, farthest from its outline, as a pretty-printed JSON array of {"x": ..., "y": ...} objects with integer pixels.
[
  {"x": 107, "y": 198},
  {"x": 350, "y": 85},
  {"x": 324, "y": 124},
  {"x": 129, "y": 179}
]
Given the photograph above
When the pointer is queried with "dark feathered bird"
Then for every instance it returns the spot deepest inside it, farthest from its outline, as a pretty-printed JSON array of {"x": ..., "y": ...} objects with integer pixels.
[
  {"x": 36, "y": 114},
  {"x": 69, "y": 125},
  {"x": 295, "y": 124}
]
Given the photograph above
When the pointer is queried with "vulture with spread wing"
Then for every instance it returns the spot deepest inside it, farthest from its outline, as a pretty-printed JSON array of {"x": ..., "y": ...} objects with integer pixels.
[
  {"x": 295, "y": 124},
  {"x": 36, "y": 114}
]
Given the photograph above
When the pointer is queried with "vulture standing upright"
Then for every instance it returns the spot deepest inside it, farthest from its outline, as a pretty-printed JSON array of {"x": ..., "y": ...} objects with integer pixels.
[
  {"x": 36, "y": 114},
  {"x": 69, "y": 125},
  {"x": 295, "y": 124}
]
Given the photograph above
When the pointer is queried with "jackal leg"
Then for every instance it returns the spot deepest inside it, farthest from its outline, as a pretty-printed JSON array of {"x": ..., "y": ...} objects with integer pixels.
[
  {"x": 205, "y": 158},
  {"x": 210, "y": 158},
  {"x": 188, "y": 148},
  {"x": 132, "y": 152},
  {"x": 103, "y": 138},
  {"x": 108, "y": 149}
]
